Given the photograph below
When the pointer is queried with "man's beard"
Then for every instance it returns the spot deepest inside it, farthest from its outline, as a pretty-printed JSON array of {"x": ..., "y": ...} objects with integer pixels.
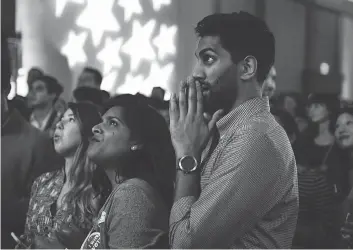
[{"x": 219, "y": 100}]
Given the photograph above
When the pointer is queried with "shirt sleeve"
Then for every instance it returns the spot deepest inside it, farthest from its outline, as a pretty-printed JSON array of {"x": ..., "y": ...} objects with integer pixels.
[
  {"x": 246, "y": 184},
  {"x": 131, "y": 221}
]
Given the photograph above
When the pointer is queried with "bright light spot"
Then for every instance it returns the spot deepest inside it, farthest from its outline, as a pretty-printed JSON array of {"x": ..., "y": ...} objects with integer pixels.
[
  {"x": 109, "y": 81},
  {"x": 132, "y": 84},
  {"x": 159, "y": 77},
  {"x": 60, "y": 5},
  {"x": 12, "y": 93},
  {"x": 98, "y": 18},
  {"x": 158, "y": 4},
  {"x": 165, "y": 41},
  {"x": 109, "y": 55},
  {"x": 139, "y": 46},
  {"x": 22, "y": 86},
  {"x": 324, "y": 68},
  {"x": 22, "y": 71},
  {"x": 130, "y": 7},
  {"x": 73, "y": 49}
]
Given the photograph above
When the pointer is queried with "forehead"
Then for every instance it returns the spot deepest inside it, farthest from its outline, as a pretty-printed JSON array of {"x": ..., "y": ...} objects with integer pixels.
[
  {"x": 68, "y": 112},
  {"x": 38, "y": 84},
  {"x": 210, "y": 43},
  {"x": 86, "y": 74},
  {"x": 345, "y": 117},
  {"x": 115, "y": 112}
]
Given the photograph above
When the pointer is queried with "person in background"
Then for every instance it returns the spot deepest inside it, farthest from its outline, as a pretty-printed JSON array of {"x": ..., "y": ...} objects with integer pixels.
[
  {"x": 33, "y": 74},
  {"x": 343, "y": 127},
  {"x": 88, "y": 94},
  {"x": 71, "y": 196},
  {"x": 323, "y": 178},
  {"x": 269, "y": 86},
  {"x": 236, "y": 176},
  {"x": 287, "y": 122},
  {"x": 291, "y": 102},
  {"x": 25, "y": 154},
  {"x": 90, "y": 77},
  {"x": 158, "y": 93},
  {"x": 133, "y": 146},
  {"x": 42, "y": 96}
]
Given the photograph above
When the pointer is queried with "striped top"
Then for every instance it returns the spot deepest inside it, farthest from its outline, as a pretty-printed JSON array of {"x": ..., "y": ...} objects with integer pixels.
[{"x": 249, "y": 189}]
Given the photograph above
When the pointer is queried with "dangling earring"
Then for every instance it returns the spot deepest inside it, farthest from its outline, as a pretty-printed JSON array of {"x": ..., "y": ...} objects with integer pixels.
[{"x": 136, "y": 147}]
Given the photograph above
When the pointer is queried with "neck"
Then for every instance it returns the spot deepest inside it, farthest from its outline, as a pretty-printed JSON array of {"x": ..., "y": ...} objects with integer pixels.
[
  {"x": 250, "y": 91},
  {"x": 41, "y": 112},
  {"x": 114, "y": 178},
  {"x": 324, "y": 128},
  {"x": 68, "y": 166}
]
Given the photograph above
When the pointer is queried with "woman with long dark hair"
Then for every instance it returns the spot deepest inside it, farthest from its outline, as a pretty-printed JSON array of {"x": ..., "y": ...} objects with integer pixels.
[
  {"x": 72, "y": 196},
  {"x": 134, "y": 147},
  {"x": 343, "y": 127}
]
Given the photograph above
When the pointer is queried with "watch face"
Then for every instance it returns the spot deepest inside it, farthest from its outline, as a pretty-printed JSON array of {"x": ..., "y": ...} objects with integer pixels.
[{"x": 188, "y": 163}]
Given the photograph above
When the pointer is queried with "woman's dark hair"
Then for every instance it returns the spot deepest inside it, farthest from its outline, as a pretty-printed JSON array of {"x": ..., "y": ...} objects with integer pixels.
[
  {"x": 156, "y": 157},
  {"x": 91, "y": 186},
  {"x": 344, "y": 110}
]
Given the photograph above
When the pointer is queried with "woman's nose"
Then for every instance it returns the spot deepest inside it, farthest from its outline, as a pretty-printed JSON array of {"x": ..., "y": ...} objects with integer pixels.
[{"x": 97, "y": 129}]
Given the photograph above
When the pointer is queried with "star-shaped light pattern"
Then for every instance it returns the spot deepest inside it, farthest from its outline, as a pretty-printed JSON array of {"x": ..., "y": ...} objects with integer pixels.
[
  {"x": 165, "y": 41},
  {"x": 73, "y": 49},
  {"x": 159, "y": 77},
  {"x": 109, "y": 81},
  {"x": 109, "y": 55},
  {"x": 158, "y": 4},
  {"x": 130, "y": 7},
  {"x": 61, "y": 4},
  {"x": 98, "y": 18},
  {"x": 132, "y": 84},
  {"x": 139, "y": 45}
]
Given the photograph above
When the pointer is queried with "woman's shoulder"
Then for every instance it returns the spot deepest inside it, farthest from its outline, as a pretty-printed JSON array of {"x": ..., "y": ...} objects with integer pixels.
[{"x": 137, "y": 192}]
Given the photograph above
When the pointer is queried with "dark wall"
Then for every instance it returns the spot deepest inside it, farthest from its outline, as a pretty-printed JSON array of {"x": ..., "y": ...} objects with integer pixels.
[{"x": 8, "y": 16}]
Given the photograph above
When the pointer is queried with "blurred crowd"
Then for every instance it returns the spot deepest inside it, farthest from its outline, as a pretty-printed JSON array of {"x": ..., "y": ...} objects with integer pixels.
[{"x": 42, "y": 132}]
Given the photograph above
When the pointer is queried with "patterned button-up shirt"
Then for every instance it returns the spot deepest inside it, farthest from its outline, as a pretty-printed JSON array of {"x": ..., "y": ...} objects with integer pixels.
[
  {"x": 40, "y": 220},
  {"x": 249, "y": 189}
]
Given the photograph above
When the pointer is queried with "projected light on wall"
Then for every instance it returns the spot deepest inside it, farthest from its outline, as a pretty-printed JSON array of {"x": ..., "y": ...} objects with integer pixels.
[{"x": 134, "y": 49}]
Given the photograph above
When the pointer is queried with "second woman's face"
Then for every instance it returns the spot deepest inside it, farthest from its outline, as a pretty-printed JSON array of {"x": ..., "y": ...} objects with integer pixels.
[
  {"x": 112, "y": 138},
  {"x": 318, "y": 112},
  {"x": 67, "y": 135},
  {"x": 344, "y": 130}
]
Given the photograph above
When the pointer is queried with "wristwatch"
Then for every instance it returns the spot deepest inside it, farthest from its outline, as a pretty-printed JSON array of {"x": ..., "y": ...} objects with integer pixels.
[{"x": 187, "y": 164}]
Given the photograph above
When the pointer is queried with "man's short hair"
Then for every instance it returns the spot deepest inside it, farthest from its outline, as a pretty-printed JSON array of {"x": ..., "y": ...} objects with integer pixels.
[
  {"x": 5, "y": 65},
  {"x": 242, "y": 34},
  {"x": 97, "y": 74},
  {"x": 53, "y": 86}
]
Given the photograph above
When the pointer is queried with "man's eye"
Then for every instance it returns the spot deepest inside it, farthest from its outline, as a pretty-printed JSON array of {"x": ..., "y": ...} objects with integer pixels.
[{"x": 208, "y": 59}]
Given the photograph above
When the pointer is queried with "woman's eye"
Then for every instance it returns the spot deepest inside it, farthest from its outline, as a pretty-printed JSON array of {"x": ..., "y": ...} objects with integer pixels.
[
  {"x": 71, "y": 119},
  {"x": 113, "y": 123}
]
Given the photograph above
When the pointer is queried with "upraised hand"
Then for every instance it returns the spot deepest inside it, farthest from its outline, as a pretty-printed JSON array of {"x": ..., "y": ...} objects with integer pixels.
[{"x": 190, "y": 127}]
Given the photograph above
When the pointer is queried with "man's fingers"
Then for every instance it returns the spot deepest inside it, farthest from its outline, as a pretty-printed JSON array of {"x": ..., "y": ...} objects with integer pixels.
[
  {"x": 173, "y": 108},
  {"x": 199, "y": 98},
  {"x": 182, "y": 99},
  {"x": 192, "y": 98},
  {"x": 216, "y": 116}
]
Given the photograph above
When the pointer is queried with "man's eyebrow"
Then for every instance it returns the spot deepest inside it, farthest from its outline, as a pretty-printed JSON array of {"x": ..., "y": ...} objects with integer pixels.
[{"x": 204, "y": 51}]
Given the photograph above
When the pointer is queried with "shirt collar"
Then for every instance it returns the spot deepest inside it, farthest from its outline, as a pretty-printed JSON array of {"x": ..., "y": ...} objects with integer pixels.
[
  {"x": 36, "y": 124},
  {"x": 243, "y": 112}
]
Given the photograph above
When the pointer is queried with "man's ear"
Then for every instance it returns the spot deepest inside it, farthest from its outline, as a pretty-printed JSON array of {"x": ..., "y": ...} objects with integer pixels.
[{"x": 248, "y": 68}]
